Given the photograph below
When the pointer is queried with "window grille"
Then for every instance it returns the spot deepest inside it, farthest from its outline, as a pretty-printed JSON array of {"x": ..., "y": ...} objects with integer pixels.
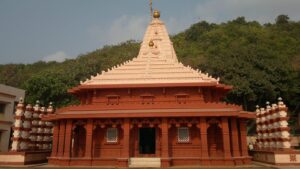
[
  {"x": 112, "y": 135},
  {"x": 183, "y": 135}
]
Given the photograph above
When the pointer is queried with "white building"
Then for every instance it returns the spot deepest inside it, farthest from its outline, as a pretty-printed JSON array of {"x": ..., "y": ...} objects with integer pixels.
[{"x": 9, "y": 96}]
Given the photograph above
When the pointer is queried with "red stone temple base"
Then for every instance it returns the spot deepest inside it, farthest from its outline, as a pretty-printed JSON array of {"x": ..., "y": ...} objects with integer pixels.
[
  {"x": 165, "y": 162},
  {"x": 24, "y": 158},
  {"x": 277, "y": 157}
]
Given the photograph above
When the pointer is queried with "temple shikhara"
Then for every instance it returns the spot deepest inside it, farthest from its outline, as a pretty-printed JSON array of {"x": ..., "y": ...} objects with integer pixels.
[{"x": 151, "y": 111}]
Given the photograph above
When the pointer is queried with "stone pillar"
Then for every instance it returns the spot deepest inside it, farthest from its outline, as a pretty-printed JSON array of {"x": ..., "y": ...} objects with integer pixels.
[
  {"x": 40, "y": 130},
  {"x": 26, "y": 128},
  {"x": 89, "y": 138},
  {"x": 48, "y": 130},
  {"x": 235, "y": 138},
  {"x": 264, "y": 128},
  {"x": 273, "y": 126},
  {"x": 62, "y": 128},
  {"x": 18, "y": 126},
  {"x": 68, "y": 139},
  {"x": 165, "y": 161},
  {"x": 283, "y": 129},
  {"x": 204, "y": 145},
  {"x": 29, "y": 115},
  {"x": 123, "y": 162},
  {"x": 126, "y": 131},
  {"x": 243, "y": 131},
  {"x": 259, "y": 140},
  {"x": 226, "y": 139},
  {"x": 55, "y": 139},
  {"x": 269, "y": 123},
  {"x": 35, "y": 125},
  {"x": 42, "y": 144}
]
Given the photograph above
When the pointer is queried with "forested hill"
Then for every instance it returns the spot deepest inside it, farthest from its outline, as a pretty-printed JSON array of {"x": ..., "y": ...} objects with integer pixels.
[{"x": 261, "y": 61}]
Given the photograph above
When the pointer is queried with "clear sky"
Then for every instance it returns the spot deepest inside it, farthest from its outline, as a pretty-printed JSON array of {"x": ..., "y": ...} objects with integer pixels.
[{"x": 33, "y": 30}]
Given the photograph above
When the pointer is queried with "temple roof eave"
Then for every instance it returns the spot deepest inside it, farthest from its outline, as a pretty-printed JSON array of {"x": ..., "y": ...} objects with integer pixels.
[
  {"x": 148, "y": 85},
  {"x": 153, "y": 114}
]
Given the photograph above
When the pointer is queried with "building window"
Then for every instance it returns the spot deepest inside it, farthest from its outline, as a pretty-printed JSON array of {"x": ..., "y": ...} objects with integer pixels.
[
  {"x": 2, "y": 107},
  {"x": 113, "y": 99},
  {"x": 183, "y": 135},
  {"x": 112, "y": 135},
  {"x": 182, "y": 98}
]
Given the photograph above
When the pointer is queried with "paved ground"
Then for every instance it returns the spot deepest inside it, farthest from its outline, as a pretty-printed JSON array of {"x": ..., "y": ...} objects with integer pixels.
[{"x": 255, "y": 165}]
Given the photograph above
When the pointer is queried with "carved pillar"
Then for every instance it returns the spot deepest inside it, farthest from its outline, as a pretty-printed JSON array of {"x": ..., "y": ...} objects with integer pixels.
[
  {"x": 126, "y": 129},
  {"x": 18, "y": 126},
  {"x": 55, "y": 139},
  {"x": 48, "y": 138},
  {"x": 61, "y": 142},
  {"x": 165, "y": 162},
  {"x": 68, "y": 138},
  {"x": 226, "y": 140},
  {"x": 243, "y": 131},
  {"x": 42, "y": 137},
  {"x": 89, "y": 138},
  {"x": 203, "y": 133},
  {"x": 35, "y": 125},
  {"x": 26, "y": 128},
  {"x": 234, "y": 138},
  {"x": 123, "y": 161}
]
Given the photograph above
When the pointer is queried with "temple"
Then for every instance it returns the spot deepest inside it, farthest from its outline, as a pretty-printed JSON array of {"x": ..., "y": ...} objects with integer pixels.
[{"x": 151, "y": 111}]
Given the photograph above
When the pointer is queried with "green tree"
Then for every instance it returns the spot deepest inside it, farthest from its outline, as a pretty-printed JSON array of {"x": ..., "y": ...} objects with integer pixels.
[{"x": 282, "y": 19}]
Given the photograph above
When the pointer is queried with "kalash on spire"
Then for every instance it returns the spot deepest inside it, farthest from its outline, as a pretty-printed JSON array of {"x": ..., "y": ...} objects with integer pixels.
[{"x": 156, "y": 63}]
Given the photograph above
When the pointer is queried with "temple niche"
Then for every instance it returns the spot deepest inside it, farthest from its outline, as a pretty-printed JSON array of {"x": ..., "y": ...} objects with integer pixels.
[{"x": 151, "y": 111}]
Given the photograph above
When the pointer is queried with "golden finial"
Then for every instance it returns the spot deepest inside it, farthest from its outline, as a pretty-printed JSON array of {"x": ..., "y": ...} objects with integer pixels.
[
  {"x": 151, "y": 43},
  {"x": 156, "y": 14}
]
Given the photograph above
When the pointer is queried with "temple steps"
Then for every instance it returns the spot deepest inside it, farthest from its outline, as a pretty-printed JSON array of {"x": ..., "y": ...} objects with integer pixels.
[{"x": 148, "y": 162}]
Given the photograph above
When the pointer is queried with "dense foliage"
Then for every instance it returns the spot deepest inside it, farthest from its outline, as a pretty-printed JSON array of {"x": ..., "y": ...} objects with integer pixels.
[{"x": 262, "y": 62}]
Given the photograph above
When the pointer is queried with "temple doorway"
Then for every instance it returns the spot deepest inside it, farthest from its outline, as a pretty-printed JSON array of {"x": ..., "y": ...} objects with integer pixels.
[{"x": 147, "y": 140}]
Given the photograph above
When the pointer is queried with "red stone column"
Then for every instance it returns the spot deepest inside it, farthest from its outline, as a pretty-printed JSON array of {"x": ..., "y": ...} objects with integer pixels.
[
  {"x": 55, "y": 139},
  {"x": 126, "y": 129},
  {"x": 235, "y": 139},
  {"x": 226, "y": 139},
  {"x": 243, "y": 130},
  {"x": 204, "y": 145},
  {"x": 68, "y": 138},
  {"x": 61, "y": 142},
  {"x": 89, "y": 138},
  {"x": 165, "y": 161},
  {"x": 123, "y": 161}
]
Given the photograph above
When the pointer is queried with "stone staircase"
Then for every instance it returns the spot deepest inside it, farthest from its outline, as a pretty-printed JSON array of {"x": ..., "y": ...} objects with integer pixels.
[{"x": 147, "y": 162}]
